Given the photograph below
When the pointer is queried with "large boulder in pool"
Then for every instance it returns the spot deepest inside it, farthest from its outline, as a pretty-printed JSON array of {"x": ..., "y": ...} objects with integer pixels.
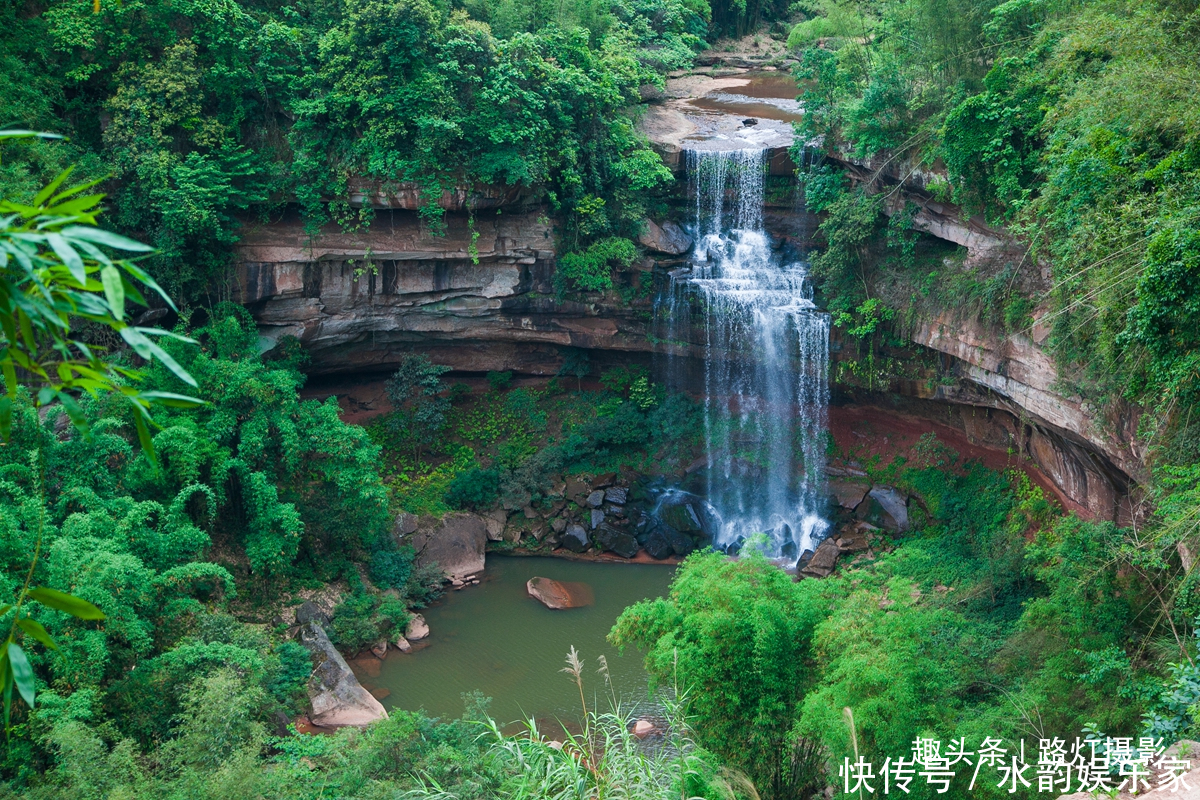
[
  {"x": 336, "y": 697},
  {"x": 609, "y": 538},
  {"x": 456, "y": 543},
  {"x": 558, "y": 595}
]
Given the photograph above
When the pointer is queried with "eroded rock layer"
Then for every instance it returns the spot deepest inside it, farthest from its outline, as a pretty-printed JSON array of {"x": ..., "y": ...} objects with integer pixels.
[{"x": 481, "y": 297}]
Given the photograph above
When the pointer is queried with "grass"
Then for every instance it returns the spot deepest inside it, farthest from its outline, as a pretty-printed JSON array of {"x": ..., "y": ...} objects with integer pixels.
[{"x": 605, "y": 761}]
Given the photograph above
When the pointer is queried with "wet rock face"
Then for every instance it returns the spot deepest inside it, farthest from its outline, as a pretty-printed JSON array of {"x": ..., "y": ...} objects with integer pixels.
[
  {"x": 608, "y": 537},
  {"x": 575, "y": 539},
  {"x": 667, "y": 238}
]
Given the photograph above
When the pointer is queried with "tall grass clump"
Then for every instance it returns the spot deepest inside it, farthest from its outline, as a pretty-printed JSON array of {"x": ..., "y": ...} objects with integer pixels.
[{"x": 605, "y": 761}]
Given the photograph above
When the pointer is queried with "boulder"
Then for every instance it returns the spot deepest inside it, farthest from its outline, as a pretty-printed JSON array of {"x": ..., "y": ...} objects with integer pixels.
[
  {"x": 609, "y": 538},
  {"x": 805, "y": 557},
  {"x": 682, "y": 517},
  {"x": 656, "y": 544},
  {"x": 848, "y": 494},
  {"x": 789, "y": 549},
  {"x": 456, "y": 543},
  {"x": 558, "y": 595},
  {"x": 597, "y": 518},
  {"x": 558, "y": 525},
  {"x": 575, "y": 539},
  {"x": 417, "y": 628},
  {"x": 576, "y": 490},
  {"x": 310, "y": 612},
  {"x": 495, "y": 530},
  {"x": 529, "y": 512},
  {"x": 667, "y": 238},
  {"x": 379, "y": 649},
  {"x": 855, "y": 536},
  {"x": 894, "y": 503},
  {"x": 643, "y": 728},
  {"x": 403, "y": 645},
  {"x": 616, "y": 495},
  {"x": 494, "y": 521},
  {"x": 604, "y": 480},
  {"x": 680, "y": 542},
  {"x": 596, "y": 499},
  {"x": 823, "y": 560},
  {"x": 404, "y": 524},
  {"x": 336, "y": 697}
]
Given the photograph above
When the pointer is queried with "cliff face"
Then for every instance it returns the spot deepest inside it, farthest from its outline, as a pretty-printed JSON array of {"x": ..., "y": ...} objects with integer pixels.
[{"x": 480, "y": 297}]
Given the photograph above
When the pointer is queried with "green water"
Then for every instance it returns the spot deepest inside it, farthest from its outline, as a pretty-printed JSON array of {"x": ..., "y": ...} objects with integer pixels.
[{"x": 495, "y": 638}]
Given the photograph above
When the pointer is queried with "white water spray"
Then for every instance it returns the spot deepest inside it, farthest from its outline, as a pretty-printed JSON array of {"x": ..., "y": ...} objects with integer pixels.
[{"x": 766, "y": 361}]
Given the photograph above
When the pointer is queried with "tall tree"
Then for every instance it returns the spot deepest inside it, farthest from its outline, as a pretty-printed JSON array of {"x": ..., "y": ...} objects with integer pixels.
[{"x": 414, "y": 392}]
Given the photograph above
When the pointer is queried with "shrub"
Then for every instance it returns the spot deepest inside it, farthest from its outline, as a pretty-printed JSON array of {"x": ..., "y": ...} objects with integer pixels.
[
  {"x": 391, "y": 569},
  {"x": 590, "y": 271},
  {"x": 363, "y": 619},
  {"x": 499, "y": 381},
  {"x": 286, "y": 682},
  {"x": 474, "y": 489}
]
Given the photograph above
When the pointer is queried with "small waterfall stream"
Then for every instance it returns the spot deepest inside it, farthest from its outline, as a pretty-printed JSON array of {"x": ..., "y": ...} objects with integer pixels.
[{"x": 766, "y": 352}]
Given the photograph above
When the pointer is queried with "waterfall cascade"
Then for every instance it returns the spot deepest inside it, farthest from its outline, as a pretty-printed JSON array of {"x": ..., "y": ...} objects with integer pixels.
[{"x": 766, "y": 355}]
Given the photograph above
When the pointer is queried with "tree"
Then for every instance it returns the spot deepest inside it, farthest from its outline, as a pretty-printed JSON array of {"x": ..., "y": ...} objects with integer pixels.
[
  {"x": 414, "y": 393},
  {"x": 736, "y": 635},
  {"x": 575, "y": 362},
  {"x": 55, "y": 275}
]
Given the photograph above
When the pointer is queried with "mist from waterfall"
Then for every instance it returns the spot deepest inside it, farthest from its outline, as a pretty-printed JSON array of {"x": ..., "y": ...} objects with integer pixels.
[{"x": 766, "y": 356}]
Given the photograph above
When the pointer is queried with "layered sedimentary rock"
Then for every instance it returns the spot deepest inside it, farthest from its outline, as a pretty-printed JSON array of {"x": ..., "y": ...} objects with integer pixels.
[
  {"x": 360, "y": 301},
  {"x": 478, "y": 297},
  {"x": 1093, "y": 456}
]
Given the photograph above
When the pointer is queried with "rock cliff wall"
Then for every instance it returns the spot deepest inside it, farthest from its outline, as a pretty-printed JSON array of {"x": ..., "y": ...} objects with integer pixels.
[{"x": 480, "y": 297}]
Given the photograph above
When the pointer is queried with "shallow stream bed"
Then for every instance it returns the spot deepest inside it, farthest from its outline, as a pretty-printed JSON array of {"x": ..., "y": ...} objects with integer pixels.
[{"x": 498, "y": 640}]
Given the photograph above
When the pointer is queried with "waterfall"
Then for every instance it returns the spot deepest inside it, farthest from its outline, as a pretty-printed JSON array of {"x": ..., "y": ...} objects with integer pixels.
[{"x": 766, "y": 356}]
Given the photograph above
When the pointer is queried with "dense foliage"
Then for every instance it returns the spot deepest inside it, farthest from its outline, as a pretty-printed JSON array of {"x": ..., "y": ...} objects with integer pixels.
[
  {"x": 1068, "y": 124},
  {"x": 1066, "y": 121},
  {"x": 256, "y": 485},
  {"x": 204, "y": 116},
  {"x": 965, "y": 629},
  {"x": 220, "y": 750}
]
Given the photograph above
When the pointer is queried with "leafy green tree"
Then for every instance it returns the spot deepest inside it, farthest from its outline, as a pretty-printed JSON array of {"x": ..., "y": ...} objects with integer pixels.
[
  {"x": 736, "y": 634},
  {"x": 576, "y": 362},
  {"x": 414, "y": 391},
  {"x": 55, "y": 275},
  {"x": 475, "y": 489}
]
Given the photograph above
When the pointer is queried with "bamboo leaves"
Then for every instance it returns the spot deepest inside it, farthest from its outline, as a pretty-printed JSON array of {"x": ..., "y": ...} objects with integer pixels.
[
  {"x": 15, "y": 670},
  {"x": 56, "y": 271}
]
